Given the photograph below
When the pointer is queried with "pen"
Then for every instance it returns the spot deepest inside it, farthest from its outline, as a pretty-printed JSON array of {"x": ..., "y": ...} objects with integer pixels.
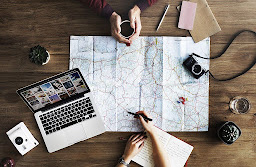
[
  {"x": 165, "y": 11},
  {"x": 144, "y": 116}
]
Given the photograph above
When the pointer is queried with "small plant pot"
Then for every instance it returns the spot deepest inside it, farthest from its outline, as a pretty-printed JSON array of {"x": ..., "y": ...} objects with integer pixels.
[
  {"x": 229, "y": 132},
  {"x": 48, "y": 58},
  {"x": 39, "y": 55}
]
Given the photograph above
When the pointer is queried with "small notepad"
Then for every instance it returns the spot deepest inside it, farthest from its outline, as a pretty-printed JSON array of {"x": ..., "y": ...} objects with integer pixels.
[{"x": 187, "y": 15}]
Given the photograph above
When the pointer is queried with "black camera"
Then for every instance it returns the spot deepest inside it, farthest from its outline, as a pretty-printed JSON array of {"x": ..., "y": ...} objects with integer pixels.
[{"x": 192, "y": 65}]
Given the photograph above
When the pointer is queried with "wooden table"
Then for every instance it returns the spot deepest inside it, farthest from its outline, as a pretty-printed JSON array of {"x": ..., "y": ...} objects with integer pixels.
[{"x": 25, "y": 23}]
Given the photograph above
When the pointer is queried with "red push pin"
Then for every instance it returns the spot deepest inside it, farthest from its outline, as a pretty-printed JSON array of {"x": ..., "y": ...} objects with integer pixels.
[{"x": 182, "y": 100}]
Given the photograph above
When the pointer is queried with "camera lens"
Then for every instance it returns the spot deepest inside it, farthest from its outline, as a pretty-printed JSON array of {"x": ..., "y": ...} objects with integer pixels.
[
  {"x": 18, "y": 140},
  {"x": 196, "y": 68}
]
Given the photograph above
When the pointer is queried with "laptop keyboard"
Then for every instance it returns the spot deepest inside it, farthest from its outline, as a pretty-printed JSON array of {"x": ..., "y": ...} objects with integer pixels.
[{"x": 68, "y": 115}]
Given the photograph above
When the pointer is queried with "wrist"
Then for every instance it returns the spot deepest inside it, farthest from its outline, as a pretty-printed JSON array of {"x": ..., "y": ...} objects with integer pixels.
[
  {"x": 126, "y": 158},
  {"x": 151, "y": 132}
]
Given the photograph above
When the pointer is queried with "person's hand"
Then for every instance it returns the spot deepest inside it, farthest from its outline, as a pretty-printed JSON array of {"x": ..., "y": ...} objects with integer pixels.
[
  {"x": 148, "y": 125},
  {"x": 134, "y": 16},
  {"x": 115, "y": 22},
  {"x": 133, "y": 146}
]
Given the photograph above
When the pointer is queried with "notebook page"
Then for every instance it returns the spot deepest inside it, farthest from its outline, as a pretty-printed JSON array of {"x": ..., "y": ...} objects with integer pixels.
[
  {"x": 145, "y": 156},
  {"x": 177, "y": 150}
]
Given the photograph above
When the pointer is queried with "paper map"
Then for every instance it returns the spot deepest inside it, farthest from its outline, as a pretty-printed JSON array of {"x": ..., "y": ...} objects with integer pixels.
[{"x": 148, "y": 75}]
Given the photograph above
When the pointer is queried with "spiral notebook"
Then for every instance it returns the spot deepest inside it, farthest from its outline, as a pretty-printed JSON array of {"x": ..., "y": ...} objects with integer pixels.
[{"x": 178, "y": 150}]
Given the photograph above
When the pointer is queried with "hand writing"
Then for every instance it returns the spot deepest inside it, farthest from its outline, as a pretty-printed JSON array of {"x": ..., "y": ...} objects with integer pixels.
[{"x": 148, "y": 125}]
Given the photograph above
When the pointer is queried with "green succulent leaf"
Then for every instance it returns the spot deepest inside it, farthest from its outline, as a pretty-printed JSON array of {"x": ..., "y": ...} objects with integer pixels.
[
  {"x": 38, "y": 55},
  {"x": 230, "y": 133}
]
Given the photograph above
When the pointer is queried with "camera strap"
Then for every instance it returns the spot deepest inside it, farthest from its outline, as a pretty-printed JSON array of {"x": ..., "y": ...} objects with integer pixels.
[{"x": 224, "y": 50}]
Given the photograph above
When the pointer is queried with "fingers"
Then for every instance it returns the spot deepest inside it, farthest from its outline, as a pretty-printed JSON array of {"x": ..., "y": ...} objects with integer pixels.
[
  {"x": 138, "y": 138},
  {"x": 132, "y": 21},
  {"x": 137, "y": 29},
  {"x": 122, "y": 40},
  {"x": 135, "y": 137},
  {"x": 138, "y": 25},
  {"x": 117, "y": 26},
  {"x": 130, "y": 139},
  {"x": 139, "y": 143},
  {"x": 116, "y": 35},
  {"x": 119, "y": 38},
  {"x": 135, "y": 23},
  {"x": 144, "y": 123}
]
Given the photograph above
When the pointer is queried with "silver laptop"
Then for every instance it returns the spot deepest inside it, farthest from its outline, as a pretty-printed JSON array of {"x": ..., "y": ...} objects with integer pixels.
[{"x": 64, "y": 109}]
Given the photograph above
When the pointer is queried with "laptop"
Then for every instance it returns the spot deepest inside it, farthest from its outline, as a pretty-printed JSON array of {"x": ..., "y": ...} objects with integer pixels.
[{"x": 64, "y": 109}]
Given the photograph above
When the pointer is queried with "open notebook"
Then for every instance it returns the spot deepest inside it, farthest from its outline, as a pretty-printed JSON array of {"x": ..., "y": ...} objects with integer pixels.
[{"x": 177, "y": 150}]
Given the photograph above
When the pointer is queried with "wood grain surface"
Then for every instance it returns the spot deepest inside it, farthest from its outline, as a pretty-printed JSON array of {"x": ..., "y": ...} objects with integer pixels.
[{"x": 25, "y": 23}]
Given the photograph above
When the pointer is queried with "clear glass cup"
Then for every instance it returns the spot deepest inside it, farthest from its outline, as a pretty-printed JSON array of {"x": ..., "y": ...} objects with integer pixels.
[{"x": 240, "y": 105}]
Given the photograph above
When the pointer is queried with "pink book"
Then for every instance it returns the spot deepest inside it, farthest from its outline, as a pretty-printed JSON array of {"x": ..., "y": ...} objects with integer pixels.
[{"x": 187, "y": 15}]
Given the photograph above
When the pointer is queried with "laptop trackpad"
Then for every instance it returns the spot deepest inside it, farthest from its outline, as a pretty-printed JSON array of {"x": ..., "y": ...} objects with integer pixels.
[{"x": 75, "y": 133}]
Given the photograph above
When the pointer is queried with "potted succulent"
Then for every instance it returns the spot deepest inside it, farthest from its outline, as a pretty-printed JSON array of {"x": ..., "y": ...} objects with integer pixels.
[
  {"x": 39, "y": 55},
  {"x": 229, "y": 133}
]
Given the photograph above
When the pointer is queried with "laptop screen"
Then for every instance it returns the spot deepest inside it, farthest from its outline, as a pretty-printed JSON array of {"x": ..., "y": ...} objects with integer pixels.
[{"x": 54, "y": 91}]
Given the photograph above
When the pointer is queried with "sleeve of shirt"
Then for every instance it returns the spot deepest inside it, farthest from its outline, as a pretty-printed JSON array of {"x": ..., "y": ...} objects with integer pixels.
[
  {"x": 100, "y": 6},
  {"x": 144, "y": 4}
]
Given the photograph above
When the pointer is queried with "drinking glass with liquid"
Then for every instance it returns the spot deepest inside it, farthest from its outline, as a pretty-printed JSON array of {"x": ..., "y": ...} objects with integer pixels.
[{"x": 239, "y": 105}]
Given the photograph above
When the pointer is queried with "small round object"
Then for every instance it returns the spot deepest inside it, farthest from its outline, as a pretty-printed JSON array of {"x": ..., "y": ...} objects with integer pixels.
[
  {"x": 19, "y": 140},
  {"x": 196, "y": 69},
  {"x": 240, "y": 105}
]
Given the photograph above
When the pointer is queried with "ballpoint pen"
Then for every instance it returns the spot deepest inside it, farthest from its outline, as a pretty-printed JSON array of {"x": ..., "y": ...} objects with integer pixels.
[
  {"x": 165, "y": 11},
  {"x": 144, "y": 116}
]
